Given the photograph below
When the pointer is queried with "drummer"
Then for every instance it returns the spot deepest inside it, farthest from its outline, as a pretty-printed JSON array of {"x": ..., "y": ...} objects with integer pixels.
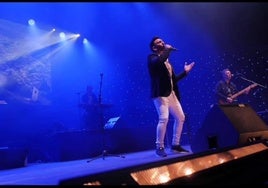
[{"x": 90, "y": 104}]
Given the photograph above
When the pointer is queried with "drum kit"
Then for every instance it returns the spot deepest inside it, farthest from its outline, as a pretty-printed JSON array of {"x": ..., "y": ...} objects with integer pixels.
[{"x": 99, "y": 108}]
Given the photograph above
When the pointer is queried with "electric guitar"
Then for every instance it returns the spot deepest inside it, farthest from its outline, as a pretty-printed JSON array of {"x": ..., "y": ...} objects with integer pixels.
[{"x": 239, "y": 93}]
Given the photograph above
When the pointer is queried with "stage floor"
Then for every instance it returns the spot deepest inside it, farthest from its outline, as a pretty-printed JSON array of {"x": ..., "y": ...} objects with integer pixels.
[{"x": 53, "y": 172}]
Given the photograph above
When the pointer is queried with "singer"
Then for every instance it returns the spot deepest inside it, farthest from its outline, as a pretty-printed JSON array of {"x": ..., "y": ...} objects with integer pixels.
[{"x": 165, "y": 94}]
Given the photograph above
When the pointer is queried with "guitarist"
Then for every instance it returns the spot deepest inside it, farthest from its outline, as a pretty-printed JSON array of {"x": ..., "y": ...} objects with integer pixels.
[{"x": 225, "y": 89}]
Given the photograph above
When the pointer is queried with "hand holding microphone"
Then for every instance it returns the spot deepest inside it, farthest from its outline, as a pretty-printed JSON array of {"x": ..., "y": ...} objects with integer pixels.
[{"x": 168, "y": 46}]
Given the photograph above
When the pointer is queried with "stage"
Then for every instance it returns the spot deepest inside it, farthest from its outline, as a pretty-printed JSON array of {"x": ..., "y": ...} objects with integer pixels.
[
  {"x": 242, "y": 165},
  {"x": 53, "y": 172}
]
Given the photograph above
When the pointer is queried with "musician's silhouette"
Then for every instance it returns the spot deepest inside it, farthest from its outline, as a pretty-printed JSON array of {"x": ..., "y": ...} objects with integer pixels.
[{"x": 89, "y": 102}]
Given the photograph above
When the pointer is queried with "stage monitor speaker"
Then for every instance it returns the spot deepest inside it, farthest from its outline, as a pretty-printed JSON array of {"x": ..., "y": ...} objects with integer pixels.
[{"x": 228, "y": 126}]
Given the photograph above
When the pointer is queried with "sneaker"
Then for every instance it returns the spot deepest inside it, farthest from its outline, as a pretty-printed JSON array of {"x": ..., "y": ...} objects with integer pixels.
[
  {"x": 160, "y": 152},
  {"x": 179, "y": 149}
]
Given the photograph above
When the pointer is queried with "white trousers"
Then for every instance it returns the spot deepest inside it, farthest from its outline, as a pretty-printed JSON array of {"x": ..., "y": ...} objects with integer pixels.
[{"x": 165, "y": 106}]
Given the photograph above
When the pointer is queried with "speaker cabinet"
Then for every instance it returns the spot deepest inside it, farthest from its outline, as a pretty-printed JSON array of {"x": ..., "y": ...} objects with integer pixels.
[{"x": 229, "y": 126}]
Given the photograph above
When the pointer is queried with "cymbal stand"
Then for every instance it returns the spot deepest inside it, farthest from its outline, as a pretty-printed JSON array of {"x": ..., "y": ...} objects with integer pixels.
[{"x": 104, "y": 151}]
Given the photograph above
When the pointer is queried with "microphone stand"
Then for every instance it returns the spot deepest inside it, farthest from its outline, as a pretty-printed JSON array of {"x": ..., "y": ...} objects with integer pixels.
[
  {"x": 260, "y": 112},
  {"x": 101, "y": 76},
  {"x": 104, "y": 151},
  {"x": 253, "y": 82}
]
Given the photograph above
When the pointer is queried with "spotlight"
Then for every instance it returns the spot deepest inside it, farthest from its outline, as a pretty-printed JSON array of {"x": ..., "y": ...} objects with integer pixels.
[
  {"x": 85, "y": 41},
  {"x": 31, "y": 22},
  {"x": 62, "y": 35}
]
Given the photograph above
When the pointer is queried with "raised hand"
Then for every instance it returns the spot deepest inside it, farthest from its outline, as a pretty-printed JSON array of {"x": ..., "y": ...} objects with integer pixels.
[{"x": 188, "y": 67}]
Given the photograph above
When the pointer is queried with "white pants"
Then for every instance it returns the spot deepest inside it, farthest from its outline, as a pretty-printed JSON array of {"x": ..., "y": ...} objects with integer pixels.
[{"x": 164, "y": 106}]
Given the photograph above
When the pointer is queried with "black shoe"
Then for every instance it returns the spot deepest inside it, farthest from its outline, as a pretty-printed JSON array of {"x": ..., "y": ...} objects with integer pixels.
[
  {"x": 160, "y": 152},
  {"x": 178, "y": 148}
]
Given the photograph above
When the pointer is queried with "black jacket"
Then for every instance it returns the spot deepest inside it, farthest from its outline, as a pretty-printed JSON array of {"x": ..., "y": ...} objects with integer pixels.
[
  {"x": 160, "y": 79},
  {"x": 224, "y": 90}
]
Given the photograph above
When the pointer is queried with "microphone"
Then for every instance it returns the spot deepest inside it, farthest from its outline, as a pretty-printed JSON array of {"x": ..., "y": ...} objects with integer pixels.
[{"x": 170, "y": 47}]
